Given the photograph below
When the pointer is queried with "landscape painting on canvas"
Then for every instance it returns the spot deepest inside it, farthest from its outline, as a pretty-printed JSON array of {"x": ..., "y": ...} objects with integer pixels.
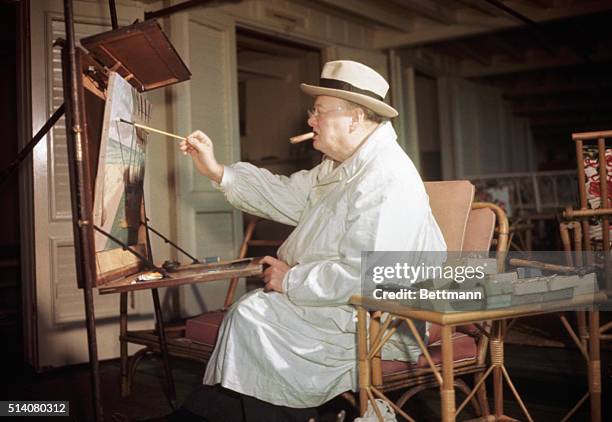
[{"x": 118, "y": 196}]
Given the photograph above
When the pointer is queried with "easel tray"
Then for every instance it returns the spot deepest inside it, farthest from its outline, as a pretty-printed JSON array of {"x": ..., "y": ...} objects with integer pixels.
[{"x": 188, "y": 274}]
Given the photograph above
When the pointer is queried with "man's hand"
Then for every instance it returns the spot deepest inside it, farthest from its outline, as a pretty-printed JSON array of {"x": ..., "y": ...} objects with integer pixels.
[
  {"x": 274, "y": 274},
  {"x": 200, "y": 147}
]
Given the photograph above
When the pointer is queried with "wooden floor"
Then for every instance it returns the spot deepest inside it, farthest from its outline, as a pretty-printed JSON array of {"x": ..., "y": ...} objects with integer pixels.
[{"x": 550, "y": 379}]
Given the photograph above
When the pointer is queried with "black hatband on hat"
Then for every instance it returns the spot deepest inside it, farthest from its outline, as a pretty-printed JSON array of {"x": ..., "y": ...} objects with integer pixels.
[{"x": 345, "y": 86}]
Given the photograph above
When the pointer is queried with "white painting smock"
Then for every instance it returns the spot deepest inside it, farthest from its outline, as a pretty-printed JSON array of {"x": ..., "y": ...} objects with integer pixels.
[{"x": 299, "y": 349}]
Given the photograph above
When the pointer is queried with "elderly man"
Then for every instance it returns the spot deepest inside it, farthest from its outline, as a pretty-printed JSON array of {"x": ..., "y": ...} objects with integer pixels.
[{"x": 292, "y": 344}]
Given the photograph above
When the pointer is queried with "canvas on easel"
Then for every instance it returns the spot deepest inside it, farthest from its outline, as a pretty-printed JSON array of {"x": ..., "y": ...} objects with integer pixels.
[
  {"x": 118, "y": 198},
  {"x": 118, "y": 205}
]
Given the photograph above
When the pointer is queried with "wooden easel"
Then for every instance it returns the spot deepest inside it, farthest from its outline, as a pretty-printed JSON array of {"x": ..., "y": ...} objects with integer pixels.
[{"x": 81, "y": 189}]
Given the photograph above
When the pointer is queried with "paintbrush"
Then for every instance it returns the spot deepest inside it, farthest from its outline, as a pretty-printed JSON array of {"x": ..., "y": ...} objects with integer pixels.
[{"x": 150, "y": 129}]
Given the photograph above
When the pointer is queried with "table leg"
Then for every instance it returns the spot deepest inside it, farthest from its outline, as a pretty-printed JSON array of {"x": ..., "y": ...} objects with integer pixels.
[
  {"x": 594, "y": 365},
  {"x": 497, "y": 360},
  {"x": 362, "y": 353},
  {"x": 447, "y": 388}
]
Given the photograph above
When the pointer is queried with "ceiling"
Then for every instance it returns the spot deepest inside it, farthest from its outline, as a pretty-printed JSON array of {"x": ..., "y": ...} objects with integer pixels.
[
  {"x": 400, "y": 23},
  {"x": 556, "y": 74},
  {"x": 550, "y": 58}
]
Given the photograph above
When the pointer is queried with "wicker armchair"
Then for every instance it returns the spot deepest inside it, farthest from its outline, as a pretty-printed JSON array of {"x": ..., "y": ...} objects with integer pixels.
[{"x": 465, "y": 226}]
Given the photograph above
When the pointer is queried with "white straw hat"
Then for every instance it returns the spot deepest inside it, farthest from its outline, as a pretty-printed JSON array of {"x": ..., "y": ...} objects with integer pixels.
[{"x": 353, "y": 82}]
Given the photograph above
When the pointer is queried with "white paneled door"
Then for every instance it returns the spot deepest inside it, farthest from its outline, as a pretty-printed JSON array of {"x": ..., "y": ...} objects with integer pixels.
[{"x": 207, "y": 224}]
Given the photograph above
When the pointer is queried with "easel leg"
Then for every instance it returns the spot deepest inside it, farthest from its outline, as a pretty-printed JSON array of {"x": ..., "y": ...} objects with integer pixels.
[
  {"x": 125, "y": 384},
  {"x": 80, "y": 193},
  {"x": 163, "y": 346},
  {"x": 92, "y": 342}
]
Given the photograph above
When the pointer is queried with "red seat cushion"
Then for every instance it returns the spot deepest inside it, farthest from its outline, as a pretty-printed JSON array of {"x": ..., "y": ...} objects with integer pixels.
[
  {"x": 435, "y": 331},
  {"x": 464, "y": 348},
  {"x": 204, "y": 328}
]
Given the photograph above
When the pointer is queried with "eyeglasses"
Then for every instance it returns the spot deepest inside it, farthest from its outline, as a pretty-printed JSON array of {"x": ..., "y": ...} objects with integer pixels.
[{"x": 316, "y": 113}]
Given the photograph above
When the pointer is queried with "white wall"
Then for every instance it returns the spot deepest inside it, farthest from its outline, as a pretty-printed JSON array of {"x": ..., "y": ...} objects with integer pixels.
[
  {"x": 301, "y": 21},
  {"x": 479, "y": 129},
  {"x": 428, "y": 127}
]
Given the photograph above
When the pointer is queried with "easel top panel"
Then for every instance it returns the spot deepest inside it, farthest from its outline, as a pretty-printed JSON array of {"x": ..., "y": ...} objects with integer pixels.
[{"x": 141, "y": 53}]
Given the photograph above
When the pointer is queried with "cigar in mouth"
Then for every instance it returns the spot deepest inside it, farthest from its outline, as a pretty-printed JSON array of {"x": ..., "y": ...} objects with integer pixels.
[{"x": 301, "y": 138}]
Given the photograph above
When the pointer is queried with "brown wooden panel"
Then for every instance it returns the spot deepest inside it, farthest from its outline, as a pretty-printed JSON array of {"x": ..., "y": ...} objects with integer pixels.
[{"x": 141, "y": 53}]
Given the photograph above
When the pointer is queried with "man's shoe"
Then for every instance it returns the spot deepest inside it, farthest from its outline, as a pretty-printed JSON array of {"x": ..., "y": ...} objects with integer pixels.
[{"x": 387, "y": 412}]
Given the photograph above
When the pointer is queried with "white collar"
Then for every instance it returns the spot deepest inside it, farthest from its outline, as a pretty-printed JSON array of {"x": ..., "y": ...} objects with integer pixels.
[{"x": 367, "y": 151}]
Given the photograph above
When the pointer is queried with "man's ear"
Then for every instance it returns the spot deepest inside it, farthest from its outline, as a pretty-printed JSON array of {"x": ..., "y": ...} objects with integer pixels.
[{"x": 357, "y": 119}]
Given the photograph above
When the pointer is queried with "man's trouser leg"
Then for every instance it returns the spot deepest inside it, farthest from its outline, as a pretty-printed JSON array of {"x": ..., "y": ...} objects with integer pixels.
[
  {"x": 260, "y": 411},
  {"x": 215, "y": 404}
]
